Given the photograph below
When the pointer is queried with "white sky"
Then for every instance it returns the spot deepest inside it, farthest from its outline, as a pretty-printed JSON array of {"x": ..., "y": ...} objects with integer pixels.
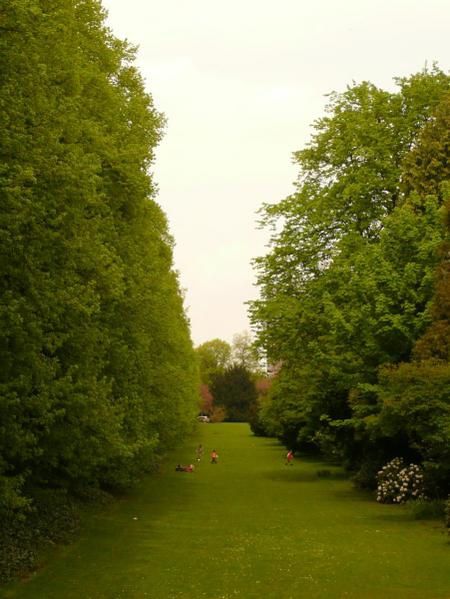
[{"x": 240, "y": 83}]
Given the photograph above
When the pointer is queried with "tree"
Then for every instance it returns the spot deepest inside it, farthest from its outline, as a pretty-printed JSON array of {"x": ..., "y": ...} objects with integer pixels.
[
  {"x": 234, "y": 390},
  {"x": 213, "y": 357},
  {"x": 415, "y": 403},
  {"x": 206, "y": 400},
  {"x": 413, "y": 397},
  {"x": 98, "y": 372},
  {"x": 427, "y": 166},
  {"x": 348, "y": 280},
  {"x": 244, "y": 352},
  {"x": 259, "y": 408},
  {"x": 428, "y": 172}
]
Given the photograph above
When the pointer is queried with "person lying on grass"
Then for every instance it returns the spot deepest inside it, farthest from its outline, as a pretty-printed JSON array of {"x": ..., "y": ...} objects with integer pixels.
[{"x": 180, "y": 468}]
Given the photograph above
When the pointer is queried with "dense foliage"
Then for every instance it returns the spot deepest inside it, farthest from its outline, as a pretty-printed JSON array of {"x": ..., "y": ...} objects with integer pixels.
[
  {"x": 354, "y": 292},
  {"x": 98, "y": 374},
  {"x": 229, "y": 377},
  {"x": 213, "y": 358},
  {"x": 235, "y": 391}
]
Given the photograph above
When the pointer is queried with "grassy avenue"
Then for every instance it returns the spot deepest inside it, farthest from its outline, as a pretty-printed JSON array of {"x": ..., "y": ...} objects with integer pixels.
[{"x": 248, "y": 527}]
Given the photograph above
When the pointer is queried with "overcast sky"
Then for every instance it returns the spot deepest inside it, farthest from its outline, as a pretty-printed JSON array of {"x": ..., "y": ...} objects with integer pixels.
[{"x": 240, "y": 82}]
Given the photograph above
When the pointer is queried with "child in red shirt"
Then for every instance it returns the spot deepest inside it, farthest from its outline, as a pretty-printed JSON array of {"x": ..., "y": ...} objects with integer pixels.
[{"x": 290, "y": 458}]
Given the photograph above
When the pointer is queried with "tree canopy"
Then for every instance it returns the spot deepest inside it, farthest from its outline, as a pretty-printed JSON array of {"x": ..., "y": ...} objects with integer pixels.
[
  {"x": 98, "y": 374},
  {"x": 213, "y": 357},
  {"x": 356, "y": 264},
  {"x": 235, "y": 391},
  {"x": 228, "y": 374}
]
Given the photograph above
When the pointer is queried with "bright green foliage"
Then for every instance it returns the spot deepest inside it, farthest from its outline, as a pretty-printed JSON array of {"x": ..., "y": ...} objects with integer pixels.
[
  {"x": 348, "y": 283},
  {"x": 415, "y": 403},
  {"x": 257, "y": 418},
  {"x": 213, "y": 357},
  {"x": 414, "y": 397},
  {"x": 349, "y": 181},
  {"x": 97, "y": 369},
  {"x": 236, "y": 365}
]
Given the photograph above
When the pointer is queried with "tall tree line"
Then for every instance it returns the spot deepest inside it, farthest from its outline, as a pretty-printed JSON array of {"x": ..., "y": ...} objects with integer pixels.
[
  {"x": 97, "y": 370},
  {"x": 354, "y": 290}
]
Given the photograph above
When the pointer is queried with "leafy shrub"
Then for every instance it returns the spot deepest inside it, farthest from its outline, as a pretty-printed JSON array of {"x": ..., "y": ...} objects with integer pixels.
[
  {"x": 258, "y": 410},
  {"x": 94, "y": 496},
  {"x": 415, "y": 402},
  {"x": 324, "y": 473},
  {"x": 17, "y": 549},
  {"x": 12, "y": 502},
  {"x": 437, "y": 477},
  {"x": 423, "y": 509},
  {"x": 447, "y": 514},
  {"x": 218, "y": 414},
  {"x": 366, "y": 475},
  {"x": 53, "y": 518},
  {"x": 397, "y": 483}
]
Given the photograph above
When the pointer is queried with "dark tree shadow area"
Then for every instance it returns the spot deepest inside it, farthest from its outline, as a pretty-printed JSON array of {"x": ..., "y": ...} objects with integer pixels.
[{"x": 291, "y": 475}]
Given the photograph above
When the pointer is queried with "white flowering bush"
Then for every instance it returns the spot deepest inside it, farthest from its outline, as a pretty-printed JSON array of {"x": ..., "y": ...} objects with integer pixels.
[{"x": 398, "y": 483}]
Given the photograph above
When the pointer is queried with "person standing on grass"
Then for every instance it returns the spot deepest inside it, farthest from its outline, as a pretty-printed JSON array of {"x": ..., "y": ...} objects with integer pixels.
[
  {"x": 214, "y": 456},
  {"x": 199, "y": 452},
  {"x": 290, "y": 458}
]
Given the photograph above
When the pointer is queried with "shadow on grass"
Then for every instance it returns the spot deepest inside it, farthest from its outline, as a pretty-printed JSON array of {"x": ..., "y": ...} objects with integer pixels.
[
  {"x": 325, "y": 475},
  {"x": 353, "y": 494},
  {"x": 290, "y": 475},
  {"x": 401, "y": 513},
  {"x": 393, "y": 517},
  {"x": 271, "y": 444}
]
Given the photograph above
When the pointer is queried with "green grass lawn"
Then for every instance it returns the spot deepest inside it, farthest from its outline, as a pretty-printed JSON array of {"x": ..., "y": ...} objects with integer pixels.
[{"x": 248, "y": 527}]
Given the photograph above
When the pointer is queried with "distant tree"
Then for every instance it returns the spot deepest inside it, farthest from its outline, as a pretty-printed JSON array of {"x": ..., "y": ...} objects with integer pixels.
[
  {"x": 206, "y": 400},
  {"x": 262, "y": 386},
  {"x": 213, "y": 357},
  {"x": 244, "y": 352},
  {"x": 235, "y": 390}
]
